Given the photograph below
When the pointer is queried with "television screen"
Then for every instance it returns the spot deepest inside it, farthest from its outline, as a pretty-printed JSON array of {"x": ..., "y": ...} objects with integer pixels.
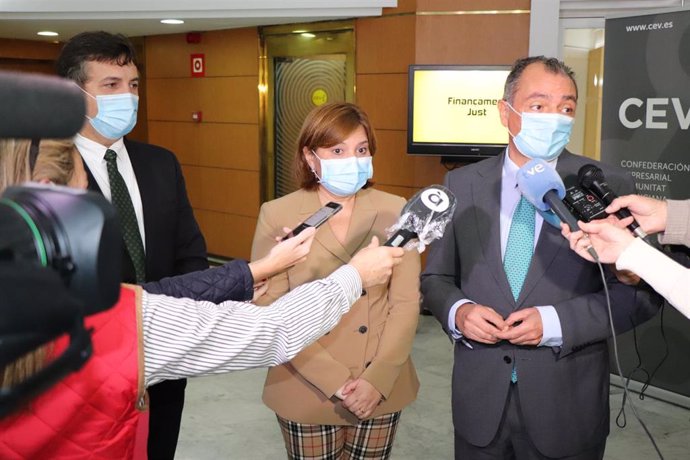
[{"x": 453, "y": 111}]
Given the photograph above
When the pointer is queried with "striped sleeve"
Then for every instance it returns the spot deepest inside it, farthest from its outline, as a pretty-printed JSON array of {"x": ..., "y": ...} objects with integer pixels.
[{"x": 187, "y": 338}]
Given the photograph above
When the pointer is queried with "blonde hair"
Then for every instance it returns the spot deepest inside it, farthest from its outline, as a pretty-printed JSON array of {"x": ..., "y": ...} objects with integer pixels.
[{"x": 55, "y": 163}]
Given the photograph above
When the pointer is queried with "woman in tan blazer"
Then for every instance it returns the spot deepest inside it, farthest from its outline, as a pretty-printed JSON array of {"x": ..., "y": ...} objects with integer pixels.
[{"x": 342, "y": 396}]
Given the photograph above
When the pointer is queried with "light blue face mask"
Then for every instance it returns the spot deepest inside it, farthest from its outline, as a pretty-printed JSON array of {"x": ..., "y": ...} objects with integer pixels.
[
  {"x": 345, "y": 176},
  {"x": 117, "y": 114},
  {"x": 543, "y": 135}
]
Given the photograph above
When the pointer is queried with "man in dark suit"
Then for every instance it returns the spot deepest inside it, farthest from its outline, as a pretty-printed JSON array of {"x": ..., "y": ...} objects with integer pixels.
[
  {"x": 528, "y": 316},
  {"x": 145, "y": 184}
]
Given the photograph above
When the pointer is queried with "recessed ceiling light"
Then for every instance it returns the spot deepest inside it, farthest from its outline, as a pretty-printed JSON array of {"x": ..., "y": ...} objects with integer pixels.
[
  {"x": 308, "y": 35},
  {"x": 301, "y": 31},
  {"x": 172, "y": 21},
  {"x": 47, "y": 33}
]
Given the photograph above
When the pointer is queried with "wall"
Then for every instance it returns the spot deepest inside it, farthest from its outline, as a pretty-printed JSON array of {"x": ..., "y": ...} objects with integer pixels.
[
  {"x": 28, "y": 56},
  {"x": 220, "y": 156}
]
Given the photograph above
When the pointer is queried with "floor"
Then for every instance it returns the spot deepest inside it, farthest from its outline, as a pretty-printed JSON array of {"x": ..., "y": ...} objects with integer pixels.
[{"x": 225, "y": 419}]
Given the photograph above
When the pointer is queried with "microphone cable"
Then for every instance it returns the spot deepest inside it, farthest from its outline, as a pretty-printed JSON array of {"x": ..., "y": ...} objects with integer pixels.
[{"x": 626, "y": 393}]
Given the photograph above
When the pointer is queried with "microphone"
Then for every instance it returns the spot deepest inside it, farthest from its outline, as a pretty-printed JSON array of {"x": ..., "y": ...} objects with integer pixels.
[
  {"x": 543, "y": 187},
  {"x": 424, "y": 217},
  {"x": 592, "y": 178},
  {"x": 39, "y": 106}
]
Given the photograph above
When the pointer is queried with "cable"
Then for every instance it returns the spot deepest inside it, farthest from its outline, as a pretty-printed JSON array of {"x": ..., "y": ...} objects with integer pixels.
[{"x": 617, "y": 360}]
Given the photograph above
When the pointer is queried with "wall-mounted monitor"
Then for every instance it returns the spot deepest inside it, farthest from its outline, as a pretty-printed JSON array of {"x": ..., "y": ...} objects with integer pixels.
[{"x": 453, "y": 111}]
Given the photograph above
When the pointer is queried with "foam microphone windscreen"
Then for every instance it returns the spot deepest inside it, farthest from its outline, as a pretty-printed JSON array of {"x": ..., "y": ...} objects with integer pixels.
[
  {"x": 39, "y": 106},
  {"x": 424, "y": 216},
  {"x": 535, "y": 179}
]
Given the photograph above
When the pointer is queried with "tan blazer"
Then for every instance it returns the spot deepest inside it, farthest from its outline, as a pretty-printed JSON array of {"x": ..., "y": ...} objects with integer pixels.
[{"x": 372, "y": 341}]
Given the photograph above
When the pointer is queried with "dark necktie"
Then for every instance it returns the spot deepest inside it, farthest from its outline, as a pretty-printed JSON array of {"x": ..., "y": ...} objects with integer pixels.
[{"x": 128, "y": 219}]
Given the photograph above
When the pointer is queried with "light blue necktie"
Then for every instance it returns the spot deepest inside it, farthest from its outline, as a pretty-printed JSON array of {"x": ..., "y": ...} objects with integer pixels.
[
  {"x": 519, "y": 251},
  {"x": 520, "y": 246}
]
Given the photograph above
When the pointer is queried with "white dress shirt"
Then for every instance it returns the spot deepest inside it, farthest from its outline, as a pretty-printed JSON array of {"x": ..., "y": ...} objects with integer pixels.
[{"x": 93, "y": 154}]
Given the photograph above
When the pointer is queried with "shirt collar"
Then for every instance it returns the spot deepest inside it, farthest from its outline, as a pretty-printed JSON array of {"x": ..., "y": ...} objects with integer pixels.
[{"x": 89, "y": 147}]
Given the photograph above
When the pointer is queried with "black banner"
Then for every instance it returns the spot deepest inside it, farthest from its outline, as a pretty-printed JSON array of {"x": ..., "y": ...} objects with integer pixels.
[{"x": 645, "y": 129}]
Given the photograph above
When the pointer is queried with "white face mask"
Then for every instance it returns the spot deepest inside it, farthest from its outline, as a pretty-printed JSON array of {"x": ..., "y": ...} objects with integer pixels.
[
  {"x": 542, "y": 135},
  {"x": 345, "y": 176}
]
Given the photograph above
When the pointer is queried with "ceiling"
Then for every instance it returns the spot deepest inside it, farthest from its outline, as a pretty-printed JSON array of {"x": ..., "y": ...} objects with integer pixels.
[{"x": 22, "y": 19}]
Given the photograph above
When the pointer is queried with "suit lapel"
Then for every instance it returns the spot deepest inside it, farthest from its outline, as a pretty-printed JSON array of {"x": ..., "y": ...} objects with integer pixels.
[
  {"x": 486, "y": 195},
  {"x": 324, "y": 236},
  {"x": 549, "y": 244},
  {"x": 361, "y": 223},
  {"x": 363, "y": 218}
]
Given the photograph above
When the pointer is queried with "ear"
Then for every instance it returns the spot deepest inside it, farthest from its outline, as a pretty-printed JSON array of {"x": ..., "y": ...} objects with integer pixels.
[
  {"x": 504, "y": 112},
  {"x": 309, "y": 158}
]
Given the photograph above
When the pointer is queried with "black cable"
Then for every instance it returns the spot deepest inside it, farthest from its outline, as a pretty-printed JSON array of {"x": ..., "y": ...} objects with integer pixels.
[{"x": 617, "y": 360}]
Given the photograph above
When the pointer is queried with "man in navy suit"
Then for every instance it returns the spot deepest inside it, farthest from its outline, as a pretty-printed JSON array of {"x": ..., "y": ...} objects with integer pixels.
[
  {"x": 529, "y": 319},
  {"x": 144, "y": 182}
]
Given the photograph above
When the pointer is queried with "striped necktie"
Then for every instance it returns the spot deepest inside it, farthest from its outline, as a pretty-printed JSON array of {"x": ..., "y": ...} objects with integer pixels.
[{"x": 128, "y": 220}]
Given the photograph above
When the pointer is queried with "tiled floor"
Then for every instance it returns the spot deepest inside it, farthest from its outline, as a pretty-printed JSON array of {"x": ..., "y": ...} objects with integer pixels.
[{"x": 225, "y": 419}]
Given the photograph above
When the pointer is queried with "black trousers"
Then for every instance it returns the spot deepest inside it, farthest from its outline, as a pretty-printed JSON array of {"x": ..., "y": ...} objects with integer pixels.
[{"x": 166, "y": 401}]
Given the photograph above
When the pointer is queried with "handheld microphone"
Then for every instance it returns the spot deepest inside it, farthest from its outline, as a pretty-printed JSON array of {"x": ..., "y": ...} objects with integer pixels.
[
  {"x": 424, "y": 217},
  {"x": 543, "y": 187},
  {"x": 592, "y": 178}
]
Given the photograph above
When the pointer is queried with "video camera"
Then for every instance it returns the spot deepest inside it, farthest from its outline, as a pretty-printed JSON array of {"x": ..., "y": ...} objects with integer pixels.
[{"x": 60, "y": 248}]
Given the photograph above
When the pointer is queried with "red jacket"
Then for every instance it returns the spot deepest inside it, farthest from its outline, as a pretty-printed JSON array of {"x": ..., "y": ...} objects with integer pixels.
[{"x": 92, "y": 413}]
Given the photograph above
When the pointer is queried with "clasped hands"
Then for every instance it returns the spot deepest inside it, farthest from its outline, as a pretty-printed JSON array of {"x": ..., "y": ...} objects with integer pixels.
[
  {"x": 359, "y": 397},
  {"x": 483, "y": 324}
]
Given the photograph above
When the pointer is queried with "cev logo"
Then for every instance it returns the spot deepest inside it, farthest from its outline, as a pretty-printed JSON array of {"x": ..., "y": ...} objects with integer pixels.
[{"x": 435, "y": 199}]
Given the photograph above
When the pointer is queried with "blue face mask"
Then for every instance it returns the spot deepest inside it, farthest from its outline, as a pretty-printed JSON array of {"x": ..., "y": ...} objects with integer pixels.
[
  {"x": 543, "y": 135},
  {"x": 117, "y": 114},
  {"x": 344, "y": 177}
]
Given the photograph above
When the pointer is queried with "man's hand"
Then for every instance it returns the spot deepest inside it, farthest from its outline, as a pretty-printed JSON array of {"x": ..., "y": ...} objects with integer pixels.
[
  {"x": 375, "y": 263},
  {"x": 651, "y": 214},
  {"x": 523, "y": 327},
  {"x": 283, "y": 255},
  {"x": 479, "y": 323},
  {"x": 361, "y": 398}
]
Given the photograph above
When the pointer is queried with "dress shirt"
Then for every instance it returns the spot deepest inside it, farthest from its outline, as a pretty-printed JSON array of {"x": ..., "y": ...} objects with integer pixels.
[
  {"x": 510, "y": 196},
  {"x": 93, "y": 154},
  {"x": 187, "y": 338}
]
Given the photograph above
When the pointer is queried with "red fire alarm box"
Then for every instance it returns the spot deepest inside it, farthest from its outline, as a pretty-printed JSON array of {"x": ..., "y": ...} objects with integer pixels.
[{"x": 198, "y": 65}]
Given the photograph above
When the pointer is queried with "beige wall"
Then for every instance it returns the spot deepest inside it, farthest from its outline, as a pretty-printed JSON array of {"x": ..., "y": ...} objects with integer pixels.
[{"x": 220, "y": 156}]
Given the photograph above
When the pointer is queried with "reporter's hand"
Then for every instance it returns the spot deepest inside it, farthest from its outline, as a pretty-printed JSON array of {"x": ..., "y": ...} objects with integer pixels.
[
  {"x": 651, "y": 214},
  {"x": 524, "y": 327},
  {"x": 375, "y": 263},
  {"x": 479, "y": 323},
  {"x": 607, "y": 239},
  {"x": 283, "y": 255}
]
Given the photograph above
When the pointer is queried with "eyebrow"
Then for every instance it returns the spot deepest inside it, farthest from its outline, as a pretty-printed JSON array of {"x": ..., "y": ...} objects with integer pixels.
[
  {"x": 112, "y": 79},
  {"x": 567, "y": 97}
]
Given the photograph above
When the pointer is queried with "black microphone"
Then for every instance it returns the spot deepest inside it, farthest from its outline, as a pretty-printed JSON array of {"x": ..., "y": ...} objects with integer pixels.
[
  {"x": 424, "y": 216},
  {"x": 592, "y": 178},
  {"x": 39, "y": 106},
  {"x": 541, "y": 185}
]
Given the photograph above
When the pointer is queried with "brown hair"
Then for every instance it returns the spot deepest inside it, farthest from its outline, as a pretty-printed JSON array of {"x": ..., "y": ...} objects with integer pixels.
[
  {"x": 326, "y": 126},
  {"x": 56, "y": 164}
]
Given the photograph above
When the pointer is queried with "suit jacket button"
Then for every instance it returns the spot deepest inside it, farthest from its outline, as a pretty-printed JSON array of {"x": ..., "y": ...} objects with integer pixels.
[
  {"x": 362, "y": 329},
  {"x": 507, "y": 359}
]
